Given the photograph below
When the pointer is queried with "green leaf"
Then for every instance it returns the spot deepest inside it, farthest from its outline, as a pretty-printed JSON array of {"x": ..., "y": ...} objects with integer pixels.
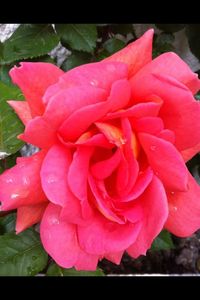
[
  {"x": 55, "y": 270},
  {"x": 113, "y": 45},
  {"x": 22, "y": 254},
  {"x": 7, "y": 223},
  {"x": 76, "y": 59},
  {"x": 28, "y": 41},
  {"x": 10, "y": 125},
  {"x": 163, "y": 241},
  {"x": 4, "y": 74},
  {"x": 170, "y": 28},
  {"x": 193, "y": 34},
  {"x": 80, "y": 37}
]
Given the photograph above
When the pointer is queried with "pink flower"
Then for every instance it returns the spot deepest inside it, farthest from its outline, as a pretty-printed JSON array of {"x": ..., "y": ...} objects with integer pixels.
[{"x": 114, "y": 138}]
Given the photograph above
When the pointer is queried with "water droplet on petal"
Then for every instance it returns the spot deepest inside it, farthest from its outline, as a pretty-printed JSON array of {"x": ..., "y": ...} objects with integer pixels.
[
  {"x": 172, "y": 193},
  {"x": 94, "y": 82},
  {"x": 14, "y": 196},
  {"x": 175, "y": 208},
  {"x": 9, "y": 180}
]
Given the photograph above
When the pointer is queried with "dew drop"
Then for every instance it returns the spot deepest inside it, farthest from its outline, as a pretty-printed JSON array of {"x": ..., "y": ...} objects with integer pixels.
[
  {"x": 172, "y": 193},
  {"x": 9, "y": 180},
  {"x": 94, "y": 82},
  {"x": 14, "y": 196},
  {"x": 175, "y": 208}
]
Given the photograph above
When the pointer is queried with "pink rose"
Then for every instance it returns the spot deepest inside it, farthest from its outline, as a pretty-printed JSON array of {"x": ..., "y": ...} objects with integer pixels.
[{"x": 114, "y": 138}]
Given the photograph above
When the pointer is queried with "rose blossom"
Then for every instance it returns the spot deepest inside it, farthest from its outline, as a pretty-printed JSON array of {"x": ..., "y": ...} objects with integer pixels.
[{"x": 114, "y": 138}]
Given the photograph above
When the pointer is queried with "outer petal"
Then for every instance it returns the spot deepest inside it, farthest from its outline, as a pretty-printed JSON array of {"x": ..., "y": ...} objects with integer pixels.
[
  {"x": 63, "y": 104},
  {"x": 39, "y": 133},
  {"x": 33, "y": 79},
  {"x": 178, "y": 102},
  {"x": 172, "y": 65},
  {"x": 155, "y": 210},
  {"x": 184, "y": 210},
  {"x": 29, "y": 215},
  {"x": 103, "y": 236},
  {"x": 166, "y": 161},
  {"x": 22, "y": 109},
  {"x": 20, "y": 185},
  {"x": 136, "y": 54}
]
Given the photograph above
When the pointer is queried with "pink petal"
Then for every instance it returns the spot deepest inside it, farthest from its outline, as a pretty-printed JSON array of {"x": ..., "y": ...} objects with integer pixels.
[
  {"x": 22, "y": 109},
  {"x": 189, "y": 153},
  {"x": 39, "y": 133},
  {"x": 84, "y": 117},
  {"x": 128, "y": 167},
  {"x": 87, "y": 262},
  {"x": 166, "y": 161},
  {"x": 103, "y": 201},
  {"x": 150, "y": 125},
  {"x": 20, "y": 185},
  {"x": 154, "y": 203},
  {"x": 103, "y": 236},
  {"x": 172, "y": 65},
  {"x": 64, "y": 103},
  {"x": 99, "y": 74},
  {"x": 105, "y": 168},
  {"x": 143, "y": 180},
  {"x": 184, "y": 210},
  {"x": 167, "y": 135},
  {"x": 114, "y": 257},
  {"x": 59, "y": 238},
  {"x": 77, "y": 177},
  {"x": 178, "y": 102},
  {"x": 54, "y": 173},
  {"x": 29, "y": 215},
  {"x": 33, "y": 79},
  {"x": 137, "y": 54},
  {"x": 139, "y": 110},
  {"x": 98, "y": 140}
]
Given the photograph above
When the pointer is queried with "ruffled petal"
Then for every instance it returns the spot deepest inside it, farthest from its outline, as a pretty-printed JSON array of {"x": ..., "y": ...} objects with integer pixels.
[
  {"x": 64, "y": 103},
  {"x": 84, "y": 117}
]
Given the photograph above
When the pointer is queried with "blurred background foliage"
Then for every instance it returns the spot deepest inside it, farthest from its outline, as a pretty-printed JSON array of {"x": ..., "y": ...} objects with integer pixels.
[{"x": 68, "y": 46}]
